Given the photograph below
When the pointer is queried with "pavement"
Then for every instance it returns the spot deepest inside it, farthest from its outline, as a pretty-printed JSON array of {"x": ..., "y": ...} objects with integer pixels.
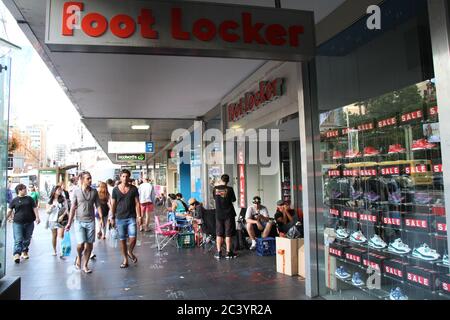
[{"x": 177, "y": 274}]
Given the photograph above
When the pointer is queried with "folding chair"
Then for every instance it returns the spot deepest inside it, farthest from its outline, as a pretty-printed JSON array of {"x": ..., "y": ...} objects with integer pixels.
[{"x": 164, "y": 233}]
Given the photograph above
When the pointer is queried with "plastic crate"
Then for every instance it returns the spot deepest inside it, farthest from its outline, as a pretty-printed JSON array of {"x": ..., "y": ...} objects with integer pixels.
[
  {"x": 186, "y": 240},
  {"x": 265, "y": 247}
]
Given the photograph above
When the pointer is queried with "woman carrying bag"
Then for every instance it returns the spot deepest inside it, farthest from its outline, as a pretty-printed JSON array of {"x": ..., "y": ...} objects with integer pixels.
[{"x": 58, "y": 216}]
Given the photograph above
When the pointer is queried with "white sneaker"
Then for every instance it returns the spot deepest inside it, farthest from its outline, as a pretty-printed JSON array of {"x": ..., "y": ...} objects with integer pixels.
[
  {"x": 424, "y": 252},
  {"x": 398, "y": 246},
  {"x": 358, "y": 237},
  {"x": 253, "y": 246},
  {"x": 342, "y": 233},
  {"x": 376, "y": 242}
]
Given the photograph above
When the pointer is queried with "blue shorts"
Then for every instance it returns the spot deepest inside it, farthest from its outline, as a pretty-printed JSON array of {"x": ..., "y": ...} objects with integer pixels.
[
  {"x": 127, "y": 228},
  {"x": 85, "y": 232}
]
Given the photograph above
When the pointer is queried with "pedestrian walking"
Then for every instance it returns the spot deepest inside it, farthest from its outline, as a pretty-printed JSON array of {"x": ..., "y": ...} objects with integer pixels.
[
  {"x": 58, "y": 216},
  {"x": 84, "y": 202},
  {"x": 147, "y": 200},
  {"x": 126, "y": 212},
  {"x": 25, "y": 214}
]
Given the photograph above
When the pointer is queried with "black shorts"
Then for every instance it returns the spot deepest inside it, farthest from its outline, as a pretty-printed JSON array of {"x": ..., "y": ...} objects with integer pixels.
[{"x": 226, "y": 227}]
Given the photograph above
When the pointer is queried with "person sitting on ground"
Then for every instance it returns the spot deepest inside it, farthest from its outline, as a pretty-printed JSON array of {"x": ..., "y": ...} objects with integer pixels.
[
  {"x": 285, "y": 217},
  {"x": 257, "y": 220}
]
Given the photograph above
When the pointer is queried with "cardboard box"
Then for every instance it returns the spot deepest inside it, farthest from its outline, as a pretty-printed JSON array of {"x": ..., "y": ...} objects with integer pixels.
[
  {"x": 301, "y": 257},
  {"x": 287, "y": 260}
]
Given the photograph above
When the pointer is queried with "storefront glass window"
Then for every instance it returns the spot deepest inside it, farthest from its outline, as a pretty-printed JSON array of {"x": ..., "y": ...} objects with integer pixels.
[
  {"x": 214, "y": 166},
  {"x": 383, "y": 218},
  {"x": 4, "y": 113}
]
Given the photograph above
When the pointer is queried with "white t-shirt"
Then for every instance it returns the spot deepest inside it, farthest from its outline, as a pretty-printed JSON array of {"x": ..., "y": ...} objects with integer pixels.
[
  {"x": 145, "y": 192},
  {"x": 251, "y": 212}
]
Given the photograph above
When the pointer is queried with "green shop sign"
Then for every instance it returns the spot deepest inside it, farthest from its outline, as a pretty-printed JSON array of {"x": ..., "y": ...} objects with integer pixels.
[{"x": 131, "y": 157}]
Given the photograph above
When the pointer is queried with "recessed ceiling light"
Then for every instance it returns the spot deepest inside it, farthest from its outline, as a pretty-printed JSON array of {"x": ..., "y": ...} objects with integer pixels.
[{"x": 140, "y": 127}]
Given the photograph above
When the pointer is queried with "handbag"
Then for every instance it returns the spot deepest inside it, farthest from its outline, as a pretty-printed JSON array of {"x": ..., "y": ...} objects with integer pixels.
[{"x": 63, "y": 217}]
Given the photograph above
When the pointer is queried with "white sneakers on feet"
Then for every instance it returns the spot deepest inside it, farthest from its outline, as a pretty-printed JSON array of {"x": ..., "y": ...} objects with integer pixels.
[{"x": 253, "y": 246}]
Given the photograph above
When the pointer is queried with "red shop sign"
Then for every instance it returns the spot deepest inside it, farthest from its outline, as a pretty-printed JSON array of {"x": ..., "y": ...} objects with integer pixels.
[
  {"x": 390, "y": 170},
  {"x": 433, "y": 111},
  {"x": 437, "y": 168},
  {"x": 365, "y": 126},
  {"x": 268, "y": 91},
  {"x": 412, "y": 116},
  {"x": 332, "y": 134},
  {"x": 387, "y": 122},
  {"x": 421, "y": 168},
  {"x": 242, "y": 201},
  {"x": 334, "y": 173}
]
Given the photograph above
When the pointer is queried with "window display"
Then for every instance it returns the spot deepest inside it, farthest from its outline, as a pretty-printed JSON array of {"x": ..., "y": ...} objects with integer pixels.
[{"x": 384, "y": 197}]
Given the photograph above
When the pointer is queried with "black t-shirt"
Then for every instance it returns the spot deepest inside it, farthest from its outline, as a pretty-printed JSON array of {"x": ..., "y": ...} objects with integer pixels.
[
  {"x": 285, "y": 227},
  {"x": 126, "y": 204},
  {"x": 23, "y": 209},
  {"x": 224, "y": 197}
]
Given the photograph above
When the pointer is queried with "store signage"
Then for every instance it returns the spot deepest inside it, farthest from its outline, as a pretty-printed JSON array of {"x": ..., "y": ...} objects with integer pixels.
[
  {"x": 371, "y": 264},
  {"x": 387, "y": 122},
  {"x": 242, "y": 201},
  {"x": 412, "y": 116},
  {"x": 350, "y": 173},
  {"x": 437, "y": 168},
  {"x": 350, "y": 214},
  {"x": 433, "y": 111},
  {"x": 422, "y": 168},
  {"x": 334, "y": 173},
  {"x": 368, "y": 172},
  {"x": 393, "y": 271},
  {"x": 149, "y": 147},
  {"x": 267, "y": 92},
  {"x": 334, "y": 212},
  {"x": 180, "y": 28},
  {"x": 335, "y": 252},
  {"x": 390, "y": 171},
  {"x": 345, "y": 131},
  {"x": 368, "y": 217},
  {"x": 441, "y": 227},
  {"x": 446, "y": 286},
  {"x": 126, "y": 147},
  {"x": 353, "y": 257},
  {"x": 131, "y": 157},
  {"x": 392, "y": 221},
  {"x": 332, "y": 134},
  {"x": 418, "y": 279},
  {"x": 366, "y": 126},
  {"x": 416, "y": 223}
]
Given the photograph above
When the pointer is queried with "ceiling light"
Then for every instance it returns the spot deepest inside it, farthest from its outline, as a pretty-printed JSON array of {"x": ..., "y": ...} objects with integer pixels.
[{"x": 140, "y": 127}]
